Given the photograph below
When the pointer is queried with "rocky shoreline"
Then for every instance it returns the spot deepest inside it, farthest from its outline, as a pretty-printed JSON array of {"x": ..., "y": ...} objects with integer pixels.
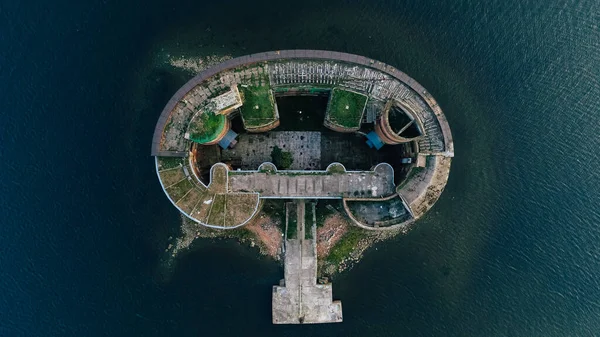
[
  {"x": 195, "y": 65},
  {"x": 261, "y": 233},
  {"x": 328, "y": 269},
  {"x": 265, "y": 233}
]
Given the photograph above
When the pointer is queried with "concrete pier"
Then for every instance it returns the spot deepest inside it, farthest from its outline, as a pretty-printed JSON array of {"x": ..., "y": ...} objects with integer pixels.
[{"x": 299, "y": 299}]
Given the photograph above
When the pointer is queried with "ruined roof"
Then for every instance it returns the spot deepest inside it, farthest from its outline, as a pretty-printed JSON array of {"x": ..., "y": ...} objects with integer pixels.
[{"x": 226, "y": 102}]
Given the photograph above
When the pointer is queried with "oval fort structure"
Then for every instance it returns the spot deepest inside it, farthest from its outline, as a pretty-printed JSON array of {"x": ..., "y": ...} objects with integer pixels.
[{"x": 382, "y": 144}]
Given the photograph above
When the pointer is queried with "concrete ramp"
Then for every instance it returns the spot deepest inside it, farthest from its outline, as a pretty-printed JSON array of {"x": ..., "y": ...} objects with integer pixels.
[{"x": 300, "y": 300}]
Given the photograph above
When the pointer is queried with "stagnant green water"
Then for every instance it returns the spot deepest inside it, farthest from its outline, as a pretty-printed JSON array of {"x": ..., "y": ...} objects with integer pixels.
[{"x": 511, "y": 248}]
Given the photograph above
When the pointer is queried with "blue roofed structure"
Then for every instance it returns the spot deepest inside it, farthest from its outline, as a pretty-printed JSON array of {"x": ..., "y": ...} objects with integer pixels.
[
  {"x": 228, "y": 140},
  {"x": 373, "y": 140}
]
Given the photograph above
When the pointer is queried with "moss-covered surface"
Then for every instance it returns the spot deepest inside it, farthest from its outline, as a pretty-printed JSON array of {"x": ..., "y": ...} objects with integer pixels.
[
  {"x": 345, "y": 108},
  {"x": 216, "y": 215},
  {"x": 205, "y": 126},
  {"x": 275, "y": 209},
  {"x": 165, "y": 163},
  {"x": 258, "y": 107},
  {"x": 322, "y": 209},
  {"x": 292, "y": 227},
  {"x": 281, "y": 159},
  {"x": 308, "y": 221},
  {"x": 346, "y": 245},
  {"x": 336, "y": 168}
]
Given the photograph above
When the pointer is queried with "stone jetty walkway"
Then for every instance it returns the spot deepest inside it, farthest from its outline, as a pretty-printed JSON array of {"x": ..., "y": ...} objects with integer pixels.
[{"x": 299, "y": 299}]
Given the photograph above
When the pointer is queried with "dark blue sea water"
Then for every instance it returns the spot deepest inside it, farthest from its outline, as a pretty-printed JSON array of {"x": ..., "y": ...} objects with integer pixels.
[{"x": 511, "y": 249}]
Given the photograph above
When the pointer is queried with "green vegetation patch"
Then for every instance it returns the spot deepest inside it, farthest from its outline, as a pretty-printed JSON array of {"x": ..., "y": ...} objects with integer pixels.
[
  {"x": 218, "y": 183},
  {"x": 267, "y": 168},
  {"x": 346, "y": 245},
  {"x": 336, "y": 169},
  {"x": 205, "y": 126},
  {"x": 275, "y": 209},
  {"x": 259, "y": 106},
  {"x": 308, "y": 221},
  {"x": 281, "y": 159},
  {"x": 178, "y": 190},
  {"x": 292, "y": 228},
  {"x": 242, "y": 234},
  {"x": 172, "y": 176},
  {"x": 165, "y": 163},
  {"x": 323, "y": 209},
  {"x": 345, "y": 108},
  {"x": 217, "y": 210}
]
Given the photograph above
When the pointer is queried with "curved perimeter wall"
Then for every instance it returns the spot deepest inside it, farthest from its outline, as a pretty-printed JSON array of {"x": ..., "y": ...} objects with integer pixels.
[{"x": 302, "y": 54}]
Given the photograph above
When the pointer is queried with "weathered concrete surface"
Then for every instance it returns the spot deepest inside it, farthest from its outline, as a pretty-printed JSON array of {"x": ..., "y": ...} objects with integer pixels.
[
  {"x": 304, "y": 184},
  {"x": 425, "y": 187},
  {"x": 311, "y": 150},
  {"x": 255, "y": 149},
  {"x": 302, "y": 300},
  {"x": 227, "y": 102}
]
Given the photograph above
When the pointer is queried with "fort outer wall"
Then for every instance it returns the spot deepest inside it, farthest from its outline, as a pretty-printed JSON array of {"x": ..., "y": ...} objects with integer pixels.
[{"x": 298, "y": 54}]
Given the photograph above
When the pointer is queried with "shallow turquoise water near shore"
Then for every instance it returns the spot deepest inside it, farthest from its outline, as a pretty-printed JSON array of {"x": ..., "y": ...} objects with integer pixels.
[{"x": 511, "y": 248}]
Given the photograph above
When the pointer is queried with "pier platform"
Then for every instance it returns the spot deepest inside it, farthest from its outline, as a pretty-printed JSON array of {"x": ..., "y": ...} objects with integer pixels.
[{"x": 299, "y": 299}]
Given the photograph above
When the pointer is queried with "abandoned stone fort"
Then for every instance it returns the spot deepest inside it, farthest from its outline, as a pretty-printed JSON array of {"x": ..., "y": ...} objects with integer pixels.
[{"x": 303, "y": 125}]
